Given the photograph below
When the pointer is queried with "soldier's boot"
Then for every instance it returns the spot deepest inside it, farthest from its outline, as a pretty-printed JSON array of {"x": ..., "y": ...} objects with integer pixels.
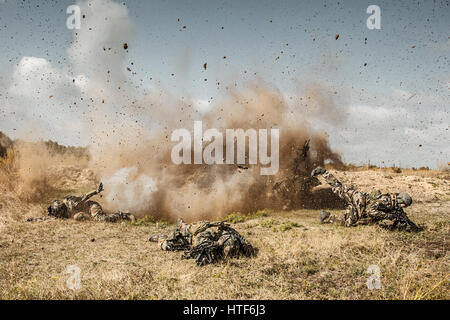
[
  {"x": 116, "y": 216},
  {"x": 157, "y": 237},
  {"x": 80, "y": 216},
  {"x": 113, "y": 217},
  {"x": 127, "y": 216},
  {"x": 40, "y": 219},
  {"x": 324, "y": 217},
  {"x": 227, "y": 252},
  {"x": 166, "y": 245}
]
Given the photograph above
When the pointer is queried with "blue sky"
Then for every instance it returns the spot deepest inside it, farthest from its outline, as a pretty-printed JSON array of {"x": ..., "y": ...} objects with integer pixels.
[
  {"x": 251, "y": 42},
  {"x": 403, "y": 67}
]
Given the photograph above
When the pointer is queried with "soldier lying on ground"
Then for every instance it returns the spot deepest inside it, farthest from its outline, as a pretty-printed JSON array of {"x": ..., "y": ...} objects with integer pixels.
[
  {"x": 81, "y": 208},
  {"x": 364, "y": 207},
  {"x": 206, "y": 242}
]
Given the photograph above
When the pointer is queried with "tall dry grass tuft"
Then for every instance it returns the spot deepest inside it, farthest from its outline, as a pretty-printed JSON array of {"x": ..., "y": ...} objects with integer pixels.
[
  {"x": 444, "y": 167},
  {"x": 32, "y": 173},
  {"x": 8, "y": 170},
  {"x": 35, "y": 164},
  {"x": 26, "y": 165}
]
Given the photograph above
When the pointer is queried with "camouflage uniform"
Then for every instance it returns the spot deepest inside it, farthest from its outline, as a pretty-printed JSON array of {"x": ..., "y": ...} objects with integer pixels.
[
  {"x": 81, "y": 208},
  {"x": 207, "y": 242},
  {"x": 81, "y": 205},
  {"x": 364, "y": 207},
  {"x": 181, "y": 238}
]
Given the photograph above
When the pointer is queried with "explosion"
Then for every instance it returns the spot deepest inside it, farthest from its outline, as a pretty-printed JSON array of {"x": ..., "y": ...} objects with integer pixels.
[
  {"x": 194, "y": 191},
  {"x": 129, "y": 128}
]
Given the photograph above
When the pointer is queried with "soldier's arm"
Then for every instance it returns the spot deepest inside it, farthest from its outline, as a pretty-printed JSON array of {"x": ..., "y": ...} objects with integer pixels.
[
  {"x": 335, "y": 184},
  {"x": 348, "y": 194},
  {"x": 329, "y": 177},
  {"x": 402, "y": 218},
  {"x": 397, "y": 215},
  {"x": 332, "y": 180}
]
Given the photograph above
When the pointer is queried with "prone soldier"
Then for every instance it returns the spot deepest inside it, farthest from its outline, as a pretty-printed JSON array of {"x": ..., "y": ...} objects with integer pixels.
[
  {"x": 81, "y": 208},
  {"x": 365, "y": 207},
  {"x": 207, "y": 242}
]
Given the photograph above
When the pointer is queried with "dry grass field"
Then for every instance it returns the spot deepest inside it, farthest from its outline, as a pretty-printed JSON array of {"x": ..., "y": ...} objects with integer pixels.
[{"x": 298, "y": 257}]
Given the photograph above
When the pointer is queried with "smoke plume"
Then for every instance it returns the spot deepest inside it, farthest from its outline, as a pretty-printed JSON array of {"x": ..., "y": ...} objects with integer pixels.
[{"x": 129, "y": 128}]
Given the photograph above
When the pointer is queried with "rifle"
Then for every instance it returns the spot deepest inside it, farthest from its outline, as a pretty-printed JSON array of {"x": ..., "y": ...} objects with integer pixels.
[
  {"x": 402, "y": 218},
  {"x": 208, "y": 250},
  {"x": 301, "y": 156},
  {"x": 211, "y": 249},
  {"x": 203, "y": 253}
]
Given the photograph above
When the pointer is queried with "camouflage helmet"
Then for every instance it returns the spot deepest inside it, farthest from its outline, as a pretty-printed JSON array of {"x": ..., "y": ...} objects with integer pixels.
[
  {"x": 57, "y": 209},
  {"x": 404, "y": 198}
]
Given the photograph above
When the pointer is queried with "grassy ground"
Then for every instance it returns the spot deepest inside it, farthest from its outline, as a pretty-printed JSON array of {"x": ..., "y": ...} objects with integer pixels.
[{"x": 298, "y": 259}]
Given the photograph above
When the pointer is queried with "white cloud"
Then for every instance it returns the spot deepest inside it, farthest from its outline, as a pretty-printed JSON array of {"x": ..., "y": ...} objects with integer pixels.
[
  {"x": 439, "y": 46},
  {"x": 39, "y": 103},
  {"x": 396, "y": 130},
  {"x": 98, "y": 50},
  {"x": 202, "y": 105},
  {"x": 49, "y": 102},
  {"x": 370, "y": 113}
]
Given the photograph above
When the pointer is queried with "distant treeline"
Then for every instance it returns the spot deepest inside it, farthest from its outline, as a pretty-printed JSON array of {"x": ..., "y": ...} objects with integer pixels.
[
  {"x": 56, "y": 148},
  {"x": 53, "y": 147},
  {"x": 352, "y": 167}
]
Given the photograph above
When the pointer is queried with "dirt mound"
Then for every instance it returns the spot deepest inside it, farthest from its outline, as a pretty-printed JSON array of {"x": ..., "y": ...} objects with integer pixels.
[
  {"x": 33, "y": 174},
  {"x": 60, "y": 181},
  {"x": 71, "y": 177},
  {"x": 422, "y": 185}
]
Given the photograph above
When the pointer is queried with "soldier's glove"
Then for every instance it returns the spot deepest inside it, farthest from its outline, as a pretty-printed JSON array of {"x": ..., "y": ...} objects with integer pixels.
[
  {"x": 412, "y": 227},
  {"x": 317, "y": 171},
  {"x": 323, "y": 215},
  {"x": 100, "y": 187}
]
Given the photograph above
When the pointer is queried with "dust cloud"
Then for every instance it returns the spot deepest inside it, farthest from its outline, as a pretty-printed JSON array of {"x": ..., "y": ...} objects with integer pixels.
[
  {"x": 140, "y": 177},
  {"x": 129, "y": 127}
]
